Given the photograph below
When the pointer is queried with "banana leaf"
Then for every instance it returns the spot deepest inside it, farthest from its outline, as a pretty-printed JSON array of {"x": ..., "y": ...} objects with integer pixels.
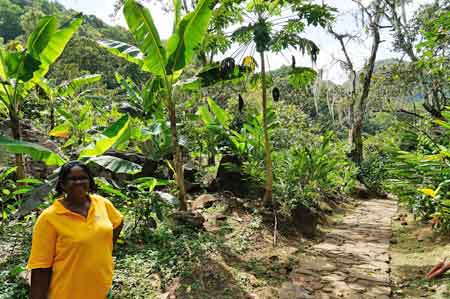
[{"x": 36, "y": 151}]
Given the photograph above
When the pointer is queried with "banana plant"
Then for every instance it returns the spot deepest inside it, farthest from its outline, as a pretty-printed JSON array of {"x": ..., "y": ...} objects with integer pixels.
[
  {"x": 165, "y": 62},
  {"x": 21, "y": 68},
  {"x": 67, "y": 91}
]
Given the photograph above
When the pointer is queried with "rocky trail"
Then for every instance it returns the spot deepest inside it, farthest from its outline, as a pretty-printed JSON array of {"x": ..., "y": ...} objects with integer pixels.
[{"x": 352, "y": 261}]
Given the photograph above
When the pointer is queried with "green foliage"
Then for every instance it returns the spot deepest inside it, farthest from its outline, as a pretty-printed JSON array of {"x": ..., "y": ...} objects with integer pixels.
[
  {"x": 306, "y": 174},
  {"x": 419, "y": 173},
  {"x": 36, "y": 151},
  {"x": 107, "y": 139}
]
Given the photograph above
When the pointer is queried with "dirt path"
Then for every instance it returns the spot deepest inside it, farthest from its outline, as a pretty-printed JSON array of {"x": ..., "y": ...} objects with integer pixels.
[{"x": 353, "y": 259}]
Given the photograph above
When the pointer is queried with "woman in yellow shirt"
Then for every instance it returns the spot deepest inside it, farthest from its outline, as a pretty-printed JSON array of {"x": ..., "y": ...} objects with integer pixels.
[{"x": 71, "y": 252}]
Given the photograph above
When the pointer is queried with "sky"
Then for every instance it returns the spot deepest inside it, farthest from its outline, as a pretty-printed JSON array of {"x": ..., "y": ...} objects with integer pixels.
[{"x": 330, "y": 50}]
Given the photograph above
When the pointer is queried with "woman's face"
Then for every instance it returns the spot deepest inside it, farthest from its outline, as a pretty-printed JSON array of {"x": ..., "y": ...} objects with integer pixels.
[{"x": 76, "y": 183}]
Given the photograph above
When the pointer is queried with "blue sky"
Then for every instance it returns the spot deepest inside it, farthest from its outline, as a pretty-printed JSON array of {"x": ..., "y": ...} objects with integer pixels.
[{"x": 330, "y": 49}]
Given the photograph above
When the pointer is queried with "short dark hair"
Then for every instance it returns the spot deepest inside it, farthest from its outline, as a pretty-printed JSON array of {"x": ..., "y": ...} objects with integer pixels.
[{"x": 64, "y": 172}]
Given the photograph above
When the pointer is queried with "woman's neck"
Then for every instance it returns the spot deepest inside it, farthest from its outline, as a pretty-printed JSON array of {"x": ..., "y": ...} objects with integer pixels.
[{"x": 75, "y": 201}]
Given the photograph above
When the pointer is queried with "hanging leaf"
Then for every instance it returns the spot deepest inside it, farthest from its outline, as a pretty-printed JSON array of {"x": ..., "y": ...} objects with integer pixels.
[
  {"x": 37, "y": 195},
  {"x": 116, "y": 165},
  {"x": 276, "y": 94},
  {"x": 107, "y": 139},
  {"x": 36, "y": 151}
]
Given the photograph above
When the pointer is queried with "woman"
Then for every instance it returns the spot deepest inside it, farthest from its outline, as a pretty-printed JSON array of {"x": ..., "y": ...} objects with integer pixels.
[{"x": 71, "y": 252}]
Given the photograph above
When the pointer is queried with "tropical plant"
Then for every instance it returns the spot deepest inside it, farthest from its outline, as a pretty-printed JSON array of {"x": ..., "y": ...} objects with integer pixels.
[
  {"x": 272, "y": 34},
  {"x": 419, "y": 170},
  {"x": 165, "y": 63},
  {"x": 307, "y": 174},
  {"x": 21, "y": 68},
  {"x": 67, "y": 91}
]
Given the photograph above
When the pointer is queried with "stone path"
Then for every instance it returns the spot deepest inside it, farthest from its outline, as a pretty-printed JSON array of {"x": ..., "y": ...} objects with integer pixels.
[{"x": 353, "y": 260}]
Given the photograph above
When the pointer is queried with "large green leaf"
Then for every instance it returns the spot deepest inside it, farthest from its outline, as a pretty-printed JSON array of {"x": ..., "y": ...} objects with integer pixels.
[
  {"x": 56, "y": 45},
  {"x": 36, "y": 151},
  {"x": 143, "y": 29},
  {"x": 116, "y": 164},
  {"x": 72, "y": 86},
  {"x": 107, "y": 139},
  {"x": 41, "y": 36},
  {"x": 205, "y": 115},
  {"x": 124, "y": 50},
  {"x": 177, "y": 12},
  {"x": 188, "y": 36},
  {"x": 221, "y": 115}
]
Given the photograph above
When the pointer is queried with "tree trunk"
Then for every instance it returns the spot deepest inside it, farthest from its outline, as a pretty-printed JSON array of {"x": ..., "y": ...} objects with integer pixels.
[
  {"x": 177, "y": 159},
  {"x": 357, "y": 142},
  {"x": 17, "y": 135},
  {"x": 269, "y": 175}
]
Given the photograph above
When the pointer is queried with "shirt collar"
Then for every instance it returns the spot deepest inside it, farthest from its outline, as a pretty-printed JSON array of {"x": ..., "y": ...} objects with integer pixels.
[{"x": 60, "y": 209}]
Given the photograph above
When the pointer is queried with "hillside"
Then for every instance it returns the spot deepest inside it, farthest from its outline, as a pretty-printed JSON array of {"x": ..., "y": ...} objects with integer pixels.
[{"x": 83, "y": 55}]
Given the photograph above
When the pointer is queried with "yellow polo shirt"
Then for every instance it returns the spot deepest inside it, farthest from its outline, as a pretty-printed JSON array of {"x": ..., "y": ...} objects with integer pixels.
[{"x": 78, "y": 249}]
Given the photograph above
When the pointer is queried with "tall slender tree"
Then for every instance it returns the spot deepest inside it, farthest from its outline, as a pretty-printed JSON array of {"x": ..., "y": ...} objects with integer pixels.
[
  {"x": 372, "y": 15},
  {"x": 274, "y": 26}
]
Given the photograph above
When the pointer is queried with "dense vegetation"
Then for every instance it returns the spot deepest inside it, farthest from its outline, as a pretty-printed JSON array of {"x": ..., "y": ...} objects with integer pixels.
[{"x": 162, "y": 121}]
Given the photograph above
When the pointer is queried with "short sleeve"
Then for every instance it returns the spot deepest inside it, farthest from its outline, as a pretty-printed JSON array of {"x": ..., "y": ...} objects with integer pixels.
[
  {"x": 43, "y": 244},
  {"x": 114, "y": 215}
]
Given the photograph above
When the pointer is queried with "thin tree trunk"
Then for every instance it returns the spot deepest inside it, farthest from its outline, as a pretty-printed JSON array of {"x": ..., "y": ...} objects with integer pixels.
[
  {"x": 17, "y": 135},
  {"x": 356, "y": 136},
  {"x": 357, "y": 142},
  {"x": 269, "y": 175},
  {"x": 177, "y": 159}
]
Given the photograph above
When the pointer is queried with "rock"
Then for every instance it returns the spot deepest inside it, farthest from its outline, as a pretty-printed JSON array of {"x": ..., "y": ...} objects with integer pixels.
[
  {"x": 292, "y": 291},
  {"x": 361, "y": 191},
  {"x": 189, "y": 219},
  {"x": 168, "y": 198},
  {"x": 229, "y": 176},
  {"x": 203, "y": 202},
  {"x": 192, "y": 187},
  {"x": 305, "y": 220},
  {"x": 166, "y": 295},
  {"x": 221, "y": 217},
  {"x": 325, "y": 207}
]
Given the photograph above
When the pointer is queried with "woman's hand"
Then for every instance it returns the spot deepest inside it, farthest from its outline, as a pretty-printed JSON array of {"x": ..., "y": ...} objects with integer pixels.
[{"x": 40, "y": 283}]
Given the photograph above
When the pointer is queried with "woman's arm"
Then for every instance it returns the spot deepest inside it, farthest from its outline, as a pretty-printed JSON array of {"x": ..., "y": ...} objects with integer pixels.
[
  {"x": 40, "y": 283},
  {"x": 116, "y": 232}
]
